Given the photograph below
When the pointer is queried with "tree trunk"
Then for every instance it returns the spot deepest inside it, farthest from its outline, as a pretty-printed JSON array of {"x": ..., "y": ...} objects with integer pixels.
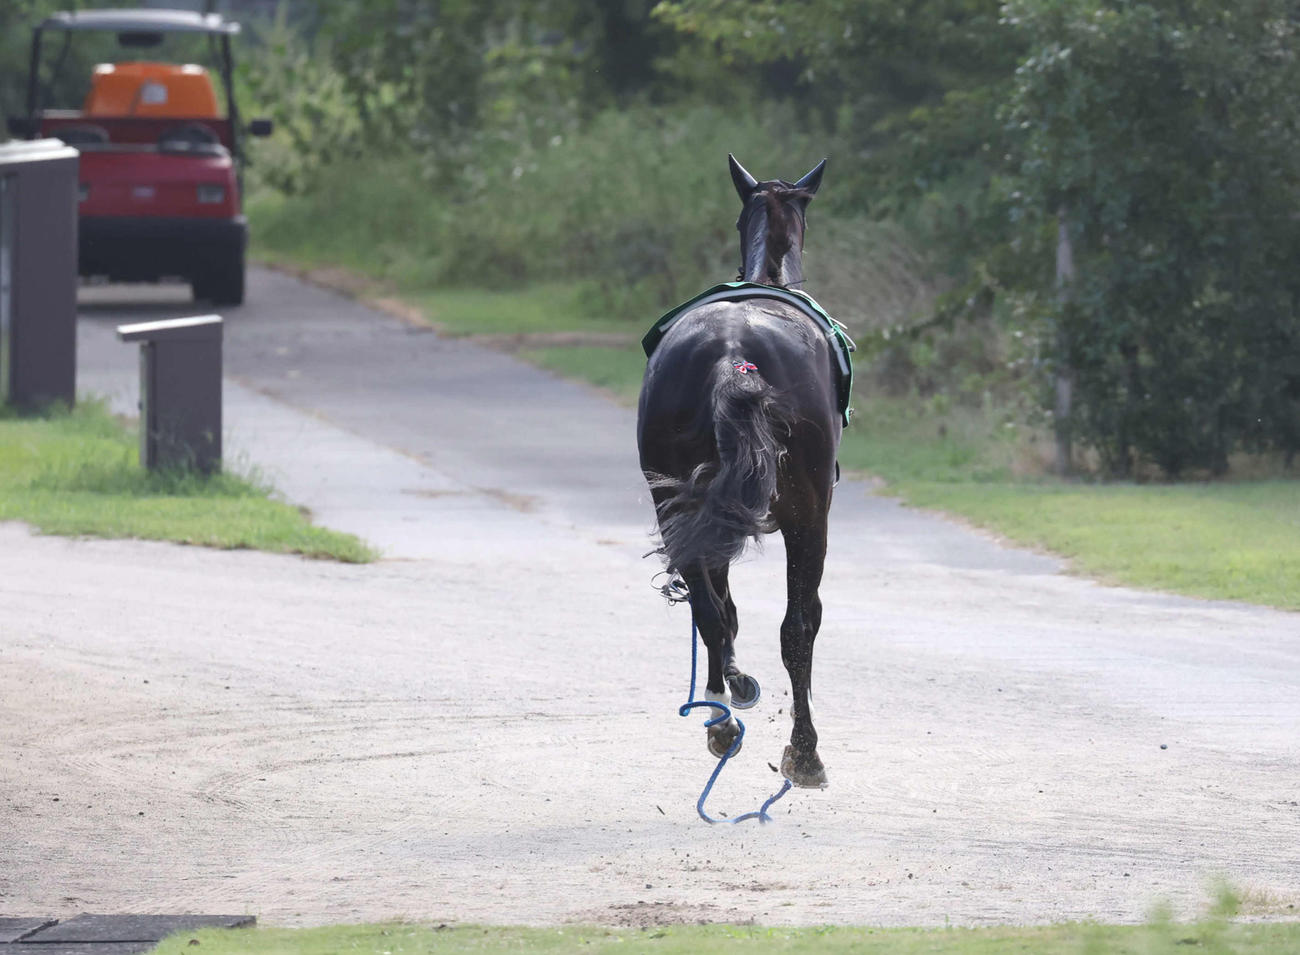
[{"x": 1064, "y": 373}]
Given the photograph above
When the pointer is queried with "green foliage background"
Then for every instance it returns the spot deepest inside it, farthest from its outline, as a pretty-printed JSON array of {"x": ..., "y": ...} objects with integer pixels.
[{"x": 495, "y": 143}]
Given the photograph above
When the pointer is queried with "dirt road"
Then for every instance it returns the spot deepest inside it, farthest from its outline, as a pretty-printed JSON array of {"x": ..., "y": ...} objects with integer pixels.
[{"x": 483, "y": 726}]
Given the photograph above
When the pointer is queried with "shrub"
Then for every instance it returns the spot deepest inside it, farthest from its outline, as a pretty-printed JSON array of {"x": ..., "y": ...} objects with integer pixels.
[
  {"x": 638, "y": 204},
  {"x": 1167, "y": 137}
]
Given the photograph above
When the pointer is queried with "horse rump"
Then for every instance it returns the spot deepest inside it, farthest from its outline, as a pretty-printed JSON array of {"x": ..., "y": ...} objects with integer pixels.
[{"x": 706, "y": 517}]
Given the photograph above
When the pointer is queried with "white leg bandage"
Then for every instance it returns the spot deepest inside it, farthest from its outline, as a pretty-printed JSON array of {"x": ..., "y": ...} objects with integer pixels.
[{"x": 724, "y": 698}]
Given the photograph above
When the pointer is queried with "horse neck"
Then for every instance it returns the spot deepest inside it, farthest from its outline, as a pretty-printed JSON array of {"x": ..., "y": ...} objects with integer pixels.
[
  {"x": 790, "y": 269},
  {"x": 764, "y": 269},
  {"x": 774, "y": 253}
]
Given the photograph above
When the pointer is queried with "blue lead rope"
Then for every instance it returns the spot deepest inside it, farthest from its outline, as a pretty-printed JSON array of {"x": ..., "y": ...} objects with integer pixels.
[{"x": 724, "y": 714}]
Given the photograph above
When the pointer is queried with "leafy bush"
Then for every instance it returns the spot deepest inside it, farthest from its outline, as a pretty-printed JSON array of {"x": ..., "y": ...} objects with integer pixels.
[
  {"x": 638, "y": 203},
  {"x": 1166, "y": 137},
  {"x": 289, "y": 79}
]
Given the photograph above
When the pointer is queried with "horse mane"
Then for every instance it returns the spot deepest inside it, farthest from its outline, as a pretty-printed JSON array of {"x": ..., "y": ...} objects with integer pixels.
[{"x": 781, "y": 218}]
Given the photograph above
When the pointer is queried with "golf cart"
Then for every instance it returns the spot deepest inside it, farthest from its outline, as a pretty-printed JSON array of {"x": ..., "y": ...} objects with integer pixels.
[{"x": 160, "y": 163}]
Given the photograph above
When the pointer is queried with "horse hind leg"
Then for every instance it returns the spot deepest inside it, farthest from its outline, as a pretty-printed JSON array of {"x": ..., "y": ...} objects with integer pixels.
[
  {"x": 744, "y": 688},
  {"x": 712, "y": 619},
  {"x": 805, "y": 556}
]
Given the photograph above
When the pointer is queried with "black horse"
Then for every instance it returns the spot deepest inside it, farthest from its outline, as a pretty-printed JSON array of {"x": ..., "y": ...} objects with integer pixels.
[{"x": 738, "y": 429}]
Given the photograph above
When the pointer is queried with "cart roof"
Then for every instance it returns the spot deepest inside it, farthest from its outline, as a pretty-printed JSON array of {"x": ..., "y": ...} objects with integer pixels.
[{"x": 143, "y": 21}]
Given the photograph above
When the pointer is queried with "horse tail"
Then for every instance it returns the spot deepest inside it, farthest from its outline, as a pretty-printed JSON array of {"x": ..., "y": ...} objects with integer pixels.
[{"x": 712, "y": 513}]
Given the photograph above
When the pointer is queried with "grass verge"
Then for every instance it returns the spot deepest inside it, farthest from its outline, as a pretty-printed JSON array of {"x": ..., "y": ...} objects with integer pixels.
[
  {"x": 77, "y": 473},
  {"x": 553, "y": 309},
  {"x": 1211, "y": 937},
  {"x": 1222, "y": 541},
  {"x": 614, "y": 370},
  {"x": 1227, "y": 540}
]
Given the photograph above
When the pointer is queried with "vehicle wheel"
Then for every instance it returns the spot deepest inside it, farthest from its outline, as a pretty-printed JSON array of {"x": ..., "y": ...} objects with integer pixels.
[{"x": 224, "y": 283}]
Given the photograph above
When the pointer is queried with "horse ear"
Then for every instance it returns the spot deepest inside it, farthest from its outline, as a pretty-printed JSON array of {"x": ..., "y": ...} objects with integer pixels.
[
  {"x": 813, "y": 180},
  {"x": 745, "y": 183}
]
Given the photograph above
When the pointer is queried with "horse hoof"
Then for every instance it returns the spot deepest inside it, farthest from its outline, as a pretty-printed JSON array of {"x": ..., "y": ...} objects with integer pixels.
[
  {"x": 722, "y": 737},
  {"x": 806, "y": 772},
  {"x": 744, "y": 691}
]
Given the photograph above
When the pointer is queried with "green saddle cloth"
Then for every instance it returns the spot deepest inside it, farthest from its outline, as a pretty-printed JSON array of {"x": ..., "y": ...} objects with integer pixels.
[{"x": 841, "y": 345}]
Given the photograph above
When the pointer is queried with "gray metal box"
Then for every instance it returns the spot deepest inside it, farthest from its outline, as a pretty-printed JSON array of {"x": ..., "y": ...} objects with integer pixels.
[
  {"x": 180, "y": 392},
  {"x": 38, "y": 273}
]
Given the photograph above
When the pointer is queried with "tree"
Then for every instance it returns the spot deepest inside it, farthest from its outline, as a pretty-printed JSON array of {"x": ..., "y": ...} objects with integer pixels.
[
  {"x": 430, "y": 71},
  {"x": 912, "y": 88},
  {"x": 1166, "y": 138}
]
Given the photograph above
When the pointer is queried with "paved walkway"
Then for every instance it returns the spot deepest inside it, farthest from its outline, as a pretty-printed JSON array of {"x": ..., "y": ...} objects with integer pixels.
[
  {"x": 413, "y": 441},
  {"x": 337, "y": 466}
]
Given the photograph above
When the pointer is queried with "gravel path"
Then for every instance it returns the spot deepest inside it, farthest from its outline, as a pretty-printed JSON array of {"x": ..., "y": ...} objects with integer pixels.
[{"x": 483, "y": 725}]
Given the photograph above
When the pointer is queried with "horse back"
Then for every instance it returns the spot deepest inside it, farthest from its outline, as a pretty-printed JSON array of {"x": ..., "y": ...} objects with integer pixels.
[{"x": 789, "y": 352}]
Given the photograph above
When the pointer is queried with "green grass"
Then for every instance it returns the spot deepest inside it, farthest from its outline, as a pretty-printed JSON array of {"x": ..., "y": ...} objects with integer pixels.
[
  {"x": 1230, "y": 540},
  {"x": 1211, "y": 937},
  {"x": 545, "y": 308},
  {"x": 905, "y": 440},
  {"x": 540, "y": 309},
  {"x": 615, "y": 370},
  {"x": 1223, "y": 541},
  {"x": 78, "y": 474}
]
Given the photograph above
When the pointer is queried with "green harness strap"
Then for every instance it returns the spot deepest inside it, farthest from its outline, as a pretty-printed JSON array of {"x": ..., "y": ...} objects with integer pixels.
[{"x": 841, "y": 345}]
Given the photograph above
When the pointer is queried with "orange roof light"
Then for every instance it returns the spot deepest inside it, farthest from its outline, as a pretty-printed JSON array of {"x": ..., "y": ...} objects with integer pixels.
[{"x": 151, "y": 89}]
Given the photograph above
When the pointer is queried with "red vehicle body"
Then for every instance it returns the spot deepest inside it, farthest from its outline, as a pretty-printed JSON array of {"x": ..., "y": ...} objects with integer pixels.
[{"x": 160, "y": 183}]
